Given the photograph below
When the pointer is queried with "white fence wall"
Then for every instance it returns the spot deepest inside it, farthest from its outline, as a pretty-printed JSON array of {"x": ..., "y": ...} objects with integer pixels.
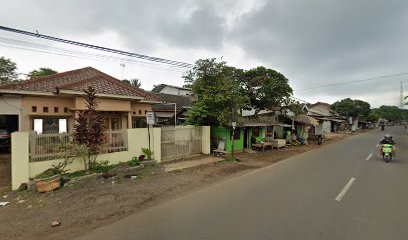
[{"x": 22, "y": 169}]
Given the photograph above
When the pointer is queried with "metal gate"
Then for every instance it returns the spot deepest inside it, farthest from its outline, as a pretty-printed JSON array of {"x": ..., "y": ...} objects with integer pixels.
[{"x": 178, "y": 142}]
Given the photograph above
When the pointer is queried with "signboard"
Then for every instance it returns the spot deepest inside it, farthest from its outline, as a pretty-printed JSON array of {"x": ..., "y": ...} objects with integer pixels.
[{"x": 151, "y": 118}]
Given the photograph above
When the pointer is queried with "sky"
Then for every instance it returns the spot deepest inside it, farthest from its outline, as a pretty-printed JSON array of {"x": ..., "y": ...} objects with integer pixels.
[{"x": 313, "y": 43}]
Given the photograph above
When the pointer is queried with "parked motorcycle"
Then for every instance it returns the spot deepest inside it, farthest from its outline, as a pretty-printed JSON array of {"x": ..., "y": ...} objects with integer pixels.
[
  {"x": 319, "y": 139},
  {"x": 386, "y": 150}
]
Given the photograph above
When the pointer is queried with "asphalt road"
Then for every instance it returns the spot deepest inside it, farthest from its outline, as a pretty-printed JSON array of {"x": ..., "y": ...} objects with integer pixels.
[{"x": 333, "y": 192}]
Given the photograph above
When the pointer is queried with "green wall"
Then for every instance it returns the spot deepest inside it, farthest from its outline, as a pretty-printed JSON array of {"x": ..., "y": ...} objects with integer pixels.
[{"x": 220, "y": 132}]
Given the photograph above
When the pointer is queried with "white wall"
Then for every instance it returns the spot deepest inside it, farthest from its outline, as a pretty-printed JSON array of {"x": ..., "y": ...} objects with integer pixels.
[
  {"x": 22, "y": 169},
  {"x": 175, "y": 91},
  {"x": 11, "y": 105}
]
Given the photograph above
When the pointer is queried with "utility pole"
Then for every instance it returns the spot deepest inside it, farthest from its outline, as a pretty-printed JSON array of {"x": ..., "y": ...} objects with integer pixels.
[
  {"x": 233, "y": 124},
  {"x": 401, "y": 95}
]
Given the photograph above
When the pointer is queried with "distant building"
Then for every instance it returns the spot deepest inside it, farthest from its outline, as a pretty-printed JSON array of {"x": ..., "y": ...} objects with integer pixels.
[{"x": 172, "y": 90}]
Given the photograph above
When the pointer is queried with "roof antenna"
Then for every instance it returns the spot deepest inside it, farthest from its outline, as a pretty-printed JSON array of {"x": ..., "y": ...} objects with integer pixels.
[
  {"x": 38, "y": 34},
  {"x": 123, "y": 68}
]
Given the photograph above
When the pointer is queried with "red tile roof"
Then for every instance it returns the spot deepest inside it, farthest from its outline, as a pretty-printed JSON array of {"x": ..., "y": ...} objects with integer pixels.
[{"x": 78, "y": 80}]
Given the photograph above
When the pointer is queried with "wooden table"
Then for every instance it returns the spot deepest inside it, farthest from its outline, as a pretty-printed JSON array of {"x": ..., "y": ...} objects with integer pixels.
[{"x": 262, "y": 145}]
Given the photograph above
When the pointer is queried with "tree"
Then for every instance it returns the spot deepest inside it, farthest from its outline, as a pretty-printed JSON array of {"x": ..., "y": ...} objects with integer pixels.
[
  {"x": 89, "y": 129},
  {"x": 41, "y": 72},
  {"x": 266, "y": 88},
  {"x": 134, "y": 82},
  {"x": 351, "y": 108},
  {"x": 216, "y": 84},
  {"x": 373, "y": 117},
  {"x": 7, "y": 70},
  {"x": 391, "y": 113}
]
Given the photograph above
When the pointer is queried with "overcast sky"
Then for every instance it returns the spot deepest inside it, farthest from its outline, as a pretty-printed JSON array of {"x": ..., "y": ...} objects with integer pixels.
[{"x": 312, "y": 43}]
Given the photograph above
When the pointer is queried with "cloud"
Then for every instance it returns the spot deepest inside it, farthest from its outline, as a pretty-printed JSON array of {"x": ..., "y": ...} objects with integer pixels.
[{"x": 311, "y": 42}]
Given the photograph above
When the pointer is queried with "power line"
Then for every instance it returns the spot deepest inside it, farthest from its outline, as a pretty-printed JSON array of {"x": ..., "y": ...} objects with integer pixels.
[
  {"x": 107, "y": 58},
  {"x": 111, "y": 50},
  {"x": 35, "y": 46},
  {"x": 351, "y": 82}
]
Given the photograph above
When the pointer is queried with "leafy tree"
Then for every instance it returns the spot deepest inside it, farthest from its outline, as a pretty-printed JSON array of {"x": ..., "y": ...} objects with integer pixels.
[
  {"x": 373, "y": 117},
  {"x": 7, "y": 70},
  {"x": 216, "y": 84},
  {"x": 351, "y": 108},
  {"x": 89, "y": 129},
  {"x": 41, "y": 72},
  {"x": 391, "y": 113},
  {"x": 266, "y": 88},
  {"x": 134, "y": 82}
]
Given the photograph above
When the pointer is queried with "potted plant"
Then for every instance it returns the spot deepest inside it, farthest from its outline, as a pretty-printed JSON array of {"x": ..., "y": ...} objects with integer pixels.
[{"x": 48, "y": 180}]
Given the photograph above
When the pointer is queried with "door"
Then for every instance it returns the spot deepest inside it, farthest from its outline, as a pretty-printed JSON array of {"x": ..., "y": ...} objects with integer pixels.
[{"x": 246, "y": 133}]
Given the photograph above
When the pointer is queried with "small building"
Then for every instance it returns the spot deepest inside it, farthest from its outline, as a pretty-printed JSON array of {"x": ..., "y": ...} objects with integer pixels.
[
  {"x": 172, "y": 90},
  {"x": 173, "y": 105}
]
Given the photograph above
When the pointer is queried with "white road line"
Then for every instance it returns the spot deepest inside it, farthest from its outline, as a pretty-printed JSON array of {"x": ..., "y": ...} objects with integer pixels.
[
  {"x": 345, "y": 189},
  {"x": 369, "y": 156}
]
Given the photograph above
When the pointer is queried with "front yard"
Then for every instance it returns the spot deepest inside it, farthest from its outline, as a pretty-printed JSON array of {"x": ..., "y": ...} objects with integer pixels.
[{"x": 86, "y": 203}]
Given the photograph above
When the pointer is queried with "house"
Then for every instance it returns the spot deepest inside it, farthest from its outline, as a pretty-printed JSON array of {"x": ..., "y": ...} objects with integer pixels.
[
  {"x": 329, "y": 121},
  {"x": 172, "y": 90},
  {"x": 173, "y": 105},
  {"x": 50, "y": 103},
  {"x": 261, "y": 126}
]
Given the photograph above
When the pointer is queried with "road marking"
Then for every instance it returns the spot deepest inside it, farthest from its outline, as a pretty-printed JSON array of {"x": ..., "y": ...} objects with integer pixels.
[
  {"x": 369, "y": 156},
  {"x": 345, "y": 189}
]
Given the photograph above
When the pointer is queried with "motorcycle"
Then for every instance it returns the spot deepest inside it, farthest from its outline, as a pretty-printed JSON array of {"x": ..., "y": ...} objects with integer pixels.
[
  {"x": 319, "y": 139},
  {"x": 386, "y": 150}
]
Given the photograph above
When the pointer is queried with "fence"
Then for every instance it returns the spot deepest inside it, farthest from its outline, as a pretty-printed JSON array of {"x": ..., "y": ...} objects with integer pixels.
[
  {"x": 49, "y": 146},
  {"x": 177, "y": 142}
]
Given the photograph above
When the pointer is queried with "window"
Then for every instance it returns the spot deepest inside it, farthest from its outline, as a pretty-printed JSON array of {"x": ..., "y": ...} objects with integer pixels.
[
  {"x": 45, "y": 109},
  {"x": 256, "y": 132},
  {"x": 115, "y": 123},
  {"x": 140, "y": 111},
  {"x": 145, "y": 111},
  {"x": 50, "y": 125},
  {"x": 139, "y": 123},
  {"x": 56, "y": 109},
  {"x": 33, "y": 109},
  {"x": 62, "y": 125},
  {"x": 65, "y": 109},
  {"x": 237, "y": 133},
  {"x": 38, "y": 125}
]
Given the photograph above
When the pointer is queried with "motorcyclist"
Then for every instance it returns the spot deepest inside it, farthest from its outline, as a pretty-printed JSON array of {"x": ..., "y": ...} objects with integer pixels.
[{"x": 387, "y": 140}]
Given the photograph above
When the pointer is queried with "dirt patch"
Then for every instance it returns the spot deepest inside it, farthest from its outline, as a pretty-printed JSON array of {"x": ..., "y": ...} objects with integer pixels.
[
  {"x": 85, "y": 204},
  {"x": 5, "y": 170}
]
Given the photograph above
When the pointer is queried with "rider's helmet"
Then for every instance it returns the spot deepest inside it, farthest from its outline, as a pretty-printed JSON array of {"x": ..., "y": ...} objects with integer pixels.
[{"x": 388, "y": 136}]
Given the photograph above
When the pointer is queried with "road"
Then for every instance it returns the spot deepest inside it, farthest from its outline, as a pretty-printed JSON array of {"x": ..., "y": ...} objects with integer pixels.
[{"x": 339, "y": 191}]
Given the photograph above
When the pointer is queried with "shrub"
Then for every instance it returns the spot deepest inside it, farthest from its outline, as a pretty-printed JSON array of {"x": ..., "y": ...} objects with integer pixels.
[
  {"x": 134, "y": 162},
  {"x": 147, "y": 152}
]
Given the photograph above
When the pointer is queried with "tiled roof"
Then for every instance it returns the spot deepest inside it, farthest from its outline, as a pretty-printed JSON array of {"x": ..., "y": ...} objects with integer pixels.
[{"x": 78, "y": 80}]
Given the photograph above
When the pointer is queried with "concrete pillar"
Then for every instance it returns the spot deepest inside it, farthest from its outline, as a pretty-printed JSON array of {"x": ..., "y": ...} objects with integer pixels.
[
  {"x": 205, "y": 140},
  {"x": 156, "y": 143},
  {"x": 129, "y": 120},
  {"x": 20, "y": 161}
]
